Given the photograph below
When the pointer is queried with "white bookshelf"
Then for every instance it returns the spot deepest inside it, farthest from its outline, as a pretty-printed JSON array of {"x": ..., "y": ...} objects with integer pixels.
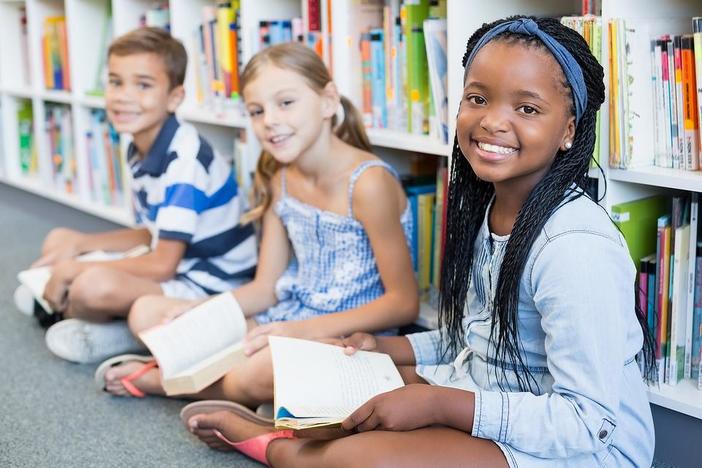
[{"x": 86, "y": 20}]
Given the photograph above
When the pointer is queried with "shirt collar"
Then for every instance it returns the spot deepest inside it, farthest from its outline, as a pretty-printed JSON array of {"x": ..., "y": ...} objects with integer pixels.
[{"x": 155, "y": 161}]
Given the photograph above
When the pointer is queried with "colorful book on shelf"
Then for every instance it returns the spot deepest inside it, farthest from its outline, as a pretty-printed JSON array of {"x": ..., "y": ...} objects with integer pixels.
[
  {"x": 318, "y": 385},
  {"x": 417, "y": 68},
  {"x": 678, "y": 311},
  {"x": 25, "y": 124},
  {"x": 697, "y": 316},
  {"x": 200, "y": 346},
  {"x": 697, "y": 49},
  {"x": 637, "y": 221},
  {"x": 689, "y": 310},
  {"x": 691, "y": 135},
  {"x": 663, "y": 291},
  {"x": 413, "y": 193},
  {"x": 436, "y": 49},
  {"x": 378, "y": 91}
]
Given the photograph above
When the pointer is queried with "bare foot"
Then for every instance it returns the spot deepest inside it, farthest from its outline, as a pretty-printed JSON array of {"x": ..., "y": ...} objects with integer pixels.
[
  {"x": 228, "y": 425},
  {"x": 149, "y": 383}
]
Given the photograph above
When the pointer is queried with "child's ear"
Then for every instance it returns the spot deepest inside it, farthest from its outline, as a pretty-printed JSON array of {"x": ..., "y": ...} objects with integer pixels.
[
  {"x": 331, "y": 100},
  {"x": 569, "y": 136},
  {"x": 175, "y": 97}
]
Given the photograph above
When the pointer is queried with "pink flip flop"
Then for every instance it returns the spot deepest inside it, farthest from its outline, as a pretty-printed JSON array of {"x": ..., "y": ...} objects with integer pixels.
[
  {"x": 149, "y": 363},
  {"x": 254, "y": 447}
]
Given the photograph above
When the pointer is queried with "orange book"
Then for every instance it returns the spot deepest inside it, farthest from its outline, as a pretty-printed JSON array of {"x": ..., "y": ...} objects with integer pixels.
[
  {"x": 46, "y": 60},
  {"x": 690, "y": 117},
  {"x": 63, "y": 53}
]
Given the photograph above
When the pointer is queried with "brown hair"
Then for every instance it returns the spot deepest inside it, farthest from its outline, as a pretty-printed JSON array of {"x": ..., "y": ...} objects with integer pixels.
[
  {"x": 154, "y": 41},
  {"x": 305, "y": 62}
]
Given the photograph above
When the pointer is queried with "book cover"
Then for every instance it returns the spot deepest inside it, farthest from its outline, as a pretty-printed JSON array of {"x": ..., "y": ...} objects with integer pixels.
[{"x": 637, "y": 220}]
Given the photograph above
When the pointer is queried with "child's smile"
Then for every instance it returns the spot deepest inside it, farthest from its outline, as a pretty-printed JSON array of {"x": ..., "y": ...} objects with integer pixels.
[
  {"x": 513, "y": 118},
  {"x": 139, "y": 97}
]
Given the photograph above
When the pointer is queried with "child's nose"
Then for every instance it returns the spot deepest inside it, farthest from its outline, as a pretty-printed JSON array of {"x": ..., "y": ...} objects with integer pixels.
[
  {"x": 495, "y": 120},
  {"x": 271, "y": 116}
]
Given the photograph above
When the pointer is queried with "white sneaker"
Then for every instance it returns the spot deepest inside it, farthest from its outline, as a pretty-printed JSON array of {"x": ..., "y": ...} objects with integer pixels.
[
  {"x": 24, "y": 300},
  {"x": 86, "y": 342}
]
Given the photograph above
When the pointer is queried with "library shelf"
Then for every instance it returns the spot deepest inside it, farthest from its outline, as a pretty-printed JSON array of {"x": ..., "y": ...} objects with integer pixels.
[
  {"x": 116, "y": 214},
  {"x": 50, "y": 95},
  {"x": 659, "y": 177},
  {"x": 230, "y": 117},
  {"x": 19, "y": 91},
  {"x": 684, "y": 397},
  {"x": 94, "y": 102},
  {"x": 408, "y": 142}
]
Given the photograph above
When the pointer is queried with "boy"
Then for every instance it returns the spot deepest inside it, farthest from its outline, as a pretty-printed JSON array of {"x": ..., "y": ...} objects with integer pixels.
[{"x": 186, "y": 202}]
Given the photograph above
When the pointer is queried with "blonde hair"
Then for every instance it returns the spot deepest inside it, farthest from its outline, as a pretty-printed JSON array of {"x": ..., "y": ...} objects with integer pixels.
[
  {"x": 305, "y": 62},
  {"x": 155, "y": 41}
]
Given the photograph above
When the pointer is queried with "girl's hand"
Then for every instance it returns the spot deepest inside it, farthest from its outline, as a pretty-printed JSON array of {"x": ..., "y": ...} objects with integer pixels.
[
  {"x": 56, "y": 290},
  {"x": 404, "y": 409},
  {"x": 178, "y": 310},
  {"x": 257, "y": 339},
  {"x": 60, "y": 244},
  {"x": 359, "y": 341}
]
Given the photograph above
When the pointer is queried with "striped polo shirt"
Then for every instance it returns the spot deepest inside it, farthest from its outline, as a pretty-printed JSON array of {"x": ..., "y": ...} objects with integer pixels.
[{"x": 185, "y": 191}]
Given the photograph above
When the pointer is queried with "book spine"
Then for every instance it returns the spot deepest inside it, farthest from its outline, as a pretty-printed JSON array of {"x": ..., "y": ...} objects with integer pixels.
[
  {"x": 690, "y": 301},
  {"x": 366, "y": 82},
  {"x": 691, "y": 128},
  {"x": 697, "y": 47},
  {"x": 377, "y": 50}
]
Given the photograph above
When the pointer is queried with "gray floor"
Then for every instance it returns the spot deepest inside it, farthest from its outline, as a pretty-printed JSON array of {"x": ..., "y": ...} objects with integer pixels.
[{"x": 51, "y": 414}]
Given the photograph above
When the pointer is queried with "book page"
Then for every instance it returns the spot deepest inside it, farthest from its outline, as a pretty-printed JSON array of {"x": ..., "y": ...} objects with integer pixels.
[
  {"x": 36, "y": 278},
  {"x": 197, "y": 334},
  {"x": 318, "y": 380}
]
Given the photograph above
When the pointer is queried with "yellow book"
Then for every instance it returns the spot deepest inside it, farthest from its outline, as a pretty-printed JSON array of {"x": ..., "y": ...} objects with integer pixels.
[{"x": 318, "y": 385}]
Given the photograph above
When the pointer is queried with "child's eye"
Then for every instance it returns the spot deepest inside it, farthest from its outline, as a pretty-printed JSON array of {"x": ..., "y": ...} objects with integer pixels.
[
  {"x": 475, "y": 99},
  {"x": 286, "y": 102},
  {"x": 529, "y": 110},
  {"x": 114, "y": 82},
  {"x": 143, "y": 86},
  {"x": 255, "y": 112}
]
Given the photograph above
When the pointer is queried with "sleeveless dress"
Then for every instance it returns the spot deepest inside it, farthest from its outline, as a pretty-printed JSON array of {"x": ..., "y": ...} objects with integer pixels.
[{"x": 333, "y": 268}]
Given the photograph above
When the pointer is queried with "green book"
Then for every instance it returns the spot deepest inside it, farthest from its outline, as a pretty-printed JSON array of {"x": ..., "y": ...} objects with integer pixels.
[
  {"x": 417, "y": 68},
  {"x": 638, "y": 220},
  {"x": 24, "y": 123}
]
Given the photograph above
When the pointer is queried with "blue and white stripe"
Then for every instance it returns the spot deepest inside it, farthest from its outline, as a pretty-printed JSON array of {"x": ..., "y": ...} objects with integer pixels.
[{"x": 184, "y": 191}]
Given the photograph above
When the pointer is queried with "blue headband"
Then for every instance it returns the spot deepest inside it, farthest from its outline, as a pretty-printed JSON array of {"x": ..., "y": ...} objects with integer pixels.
[{"x": 573, "y": 72}]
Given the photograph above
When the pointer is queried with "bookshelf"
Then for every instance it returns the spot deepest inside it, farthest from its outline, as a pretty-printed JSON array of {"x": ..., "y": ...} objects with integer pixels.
[{"x": 21, "y": 82}]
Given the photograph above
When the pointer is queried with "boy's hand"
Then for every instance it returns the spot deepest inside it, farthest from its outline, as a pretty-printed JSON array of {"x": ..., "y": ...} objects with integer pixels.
[
  {"x": 60, "y": 244},
  {"x": 56, "y": 291},
  {"x": 404, "y": 409},
  {"x": 257, "y": 339}
]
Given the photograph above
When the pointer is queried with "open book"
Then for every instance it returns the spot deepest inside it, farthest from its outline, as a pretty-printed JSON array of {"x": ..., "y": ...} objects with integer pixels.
[
  {"x": 35, "y": 279},
  {"x": 317, "y": 385},
  {"x": 199, "y": 347}
]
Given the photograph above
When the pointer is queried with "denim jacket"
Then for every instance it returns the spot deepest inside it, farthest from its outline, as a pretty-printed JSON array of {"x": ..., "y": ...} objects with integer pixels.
[{"x": 579, "y": 338}]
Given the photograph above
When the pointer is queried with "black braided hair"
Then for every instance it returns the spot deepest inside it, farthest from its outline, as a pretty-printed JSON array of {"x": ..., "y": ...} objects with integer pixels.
[{"x": 468, "y": 198}]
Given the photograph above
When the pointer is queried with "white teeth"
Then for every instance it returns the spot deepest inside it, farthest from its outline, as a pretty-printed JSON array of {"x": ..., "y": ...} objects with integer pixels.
[
  {"x": 278, "y": 138},
  {"x": 495, "y": 148}
]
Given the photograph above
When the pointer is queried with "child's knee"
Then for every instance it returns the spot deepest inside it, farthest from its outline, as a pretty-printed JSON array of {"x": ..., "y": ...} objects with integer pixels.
[
  {"x": 256, "y": 376},
  {"x": 92, "y": 289},
  {"x": 145, "y": 313},
  {"x": 57, "y": 234}
]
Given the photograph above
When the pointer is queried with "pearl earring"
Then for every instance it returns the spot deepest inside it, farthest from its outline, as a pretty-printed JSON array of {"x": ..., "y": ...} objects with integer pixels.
[{"x": 568, "y": 145}]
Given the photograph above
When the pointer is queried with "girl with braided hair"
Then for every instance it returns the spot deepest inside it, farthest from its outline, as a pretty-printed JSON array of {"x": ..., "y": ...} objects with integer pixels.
[{"x": 535, "y": 361}]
